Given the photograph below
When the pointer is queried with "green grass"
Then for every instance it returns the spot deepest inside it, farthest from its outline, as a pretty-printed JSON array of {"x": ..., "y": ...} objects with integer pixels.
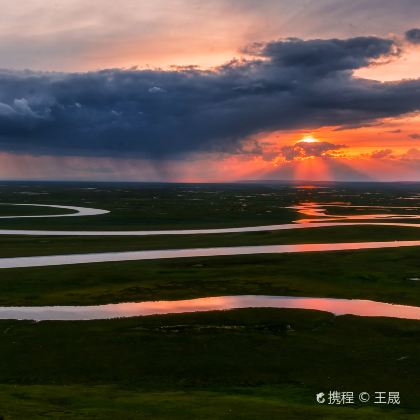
[
  {"x": 367, "y": 274},
  {"x": 258, "y": 362},
  {"x": 241, "y": 364},
  {"x": 9, "y": 210},
  {"x": 173, "y": 206},
  {"x": 105, "y": 402},
  {"x": 153, "y": 206}
]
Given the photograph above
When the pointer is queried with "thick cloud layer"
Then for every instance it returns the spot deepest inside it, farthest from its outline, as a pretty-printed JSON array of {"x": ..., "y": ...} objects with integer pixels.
[{"x": 155, "y": 113}]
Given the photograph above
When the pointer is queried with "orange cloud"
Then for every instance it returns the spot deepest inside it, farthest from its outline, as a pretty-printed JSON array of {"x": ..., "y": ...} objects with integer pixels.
[{"x": 304, "y": 149}]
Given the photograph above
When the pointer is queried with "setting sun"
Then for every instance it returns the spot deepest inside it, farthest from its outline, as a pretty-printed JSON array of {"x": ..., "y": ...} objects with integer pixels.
[{"x": 308, "y": 139}]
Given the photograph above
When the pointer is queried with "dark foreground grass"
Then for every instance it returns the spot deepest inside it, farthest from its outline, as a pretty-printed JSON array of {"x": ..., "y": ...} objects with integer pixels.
[
  {"x": 254, "y": 363},
  {"x": 113, "y": 402},
  {"x": 381, "y": 275},
  {"x": 19, "y": 246},
  {"x": 7, "y": 210}
]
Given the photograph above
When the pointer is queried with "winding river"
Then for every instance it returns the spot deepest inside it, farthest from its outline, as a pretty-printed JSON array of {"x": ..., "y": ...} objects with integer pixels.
[
  {"x": 129, "y": 309},
  {"x": 49, "y": 260},
  {"x": 307, "y": 209},
  {"x": 315, "y": 217},
  {"x": 318, "y": 211}
]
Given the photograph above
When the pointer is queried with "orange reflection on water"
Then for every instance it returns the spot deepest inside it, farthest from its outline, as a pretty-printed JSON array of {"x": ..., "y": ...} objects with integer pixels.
[
  {"x": 335, "y": 306},
  {"x": 174, "y": 307},
  {"x": 307, "y": 187},
  {"x": 317, "y": 212},
  {"x": 123, "y": 310}
]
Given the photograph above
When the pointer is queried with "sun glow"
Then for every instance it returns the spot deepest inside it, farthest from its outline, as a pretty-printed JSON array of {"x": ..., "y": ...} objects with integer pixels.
[
  {"x": 312, "y": 169},
  {"x": 308, "y": 139}
]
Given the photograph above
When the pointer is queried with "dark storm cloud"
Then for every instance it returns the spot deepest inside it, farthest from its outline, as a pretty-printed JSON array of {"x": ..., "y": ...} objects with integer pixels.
[
  {"x": 325, "y": 56},
  {"x": 306, "y": 149},
  {"x": 414, "y": 136},
  {"x": 413, "y": 36},
  {"x": 155, "y": 113}
]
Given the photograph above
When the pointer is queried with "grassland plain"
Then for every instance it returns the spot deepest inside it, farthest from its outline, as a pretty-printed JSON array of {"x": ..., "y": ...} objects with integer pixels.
[
  {"x": 243, "y": 364},
  {"x": 13, "y": 210},
  {"x": 175, "y": 206},
  {"x": 381, "y": 275},
  {"x": 239, "y": 364}
]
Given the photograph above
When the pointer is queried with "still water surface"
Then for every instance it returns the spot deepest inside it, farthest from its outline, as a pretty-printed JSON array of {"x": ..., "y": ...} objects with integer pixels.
[
  {"x": 50, "y": 260},
  {"x": 130, "y": 309}
]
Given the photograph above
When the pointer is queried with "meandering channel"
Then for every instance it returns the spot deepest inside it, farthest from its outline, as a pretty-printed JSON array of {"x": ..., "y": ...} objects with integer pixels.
[
  {"x": 130, "y": 309},
  {"x": 318, "y": 218},
  {"x": 50, "y": 260},
  {"x": 307, "y": 209}
]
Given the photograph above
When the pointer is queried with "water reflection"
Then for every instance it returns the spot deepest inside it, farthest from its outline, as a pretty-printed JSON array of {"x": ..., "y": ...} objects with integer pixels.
[
  {"x": 50, "y": 260},
  {"x": 317, "y": 212},
  {"x": 123, "y": 310}
]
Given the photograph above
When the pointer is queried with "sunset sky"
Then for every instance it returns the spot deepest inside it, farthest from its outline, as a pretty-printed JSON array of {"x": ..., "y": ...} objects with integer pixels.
[{"x": 221, "y": 90}]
